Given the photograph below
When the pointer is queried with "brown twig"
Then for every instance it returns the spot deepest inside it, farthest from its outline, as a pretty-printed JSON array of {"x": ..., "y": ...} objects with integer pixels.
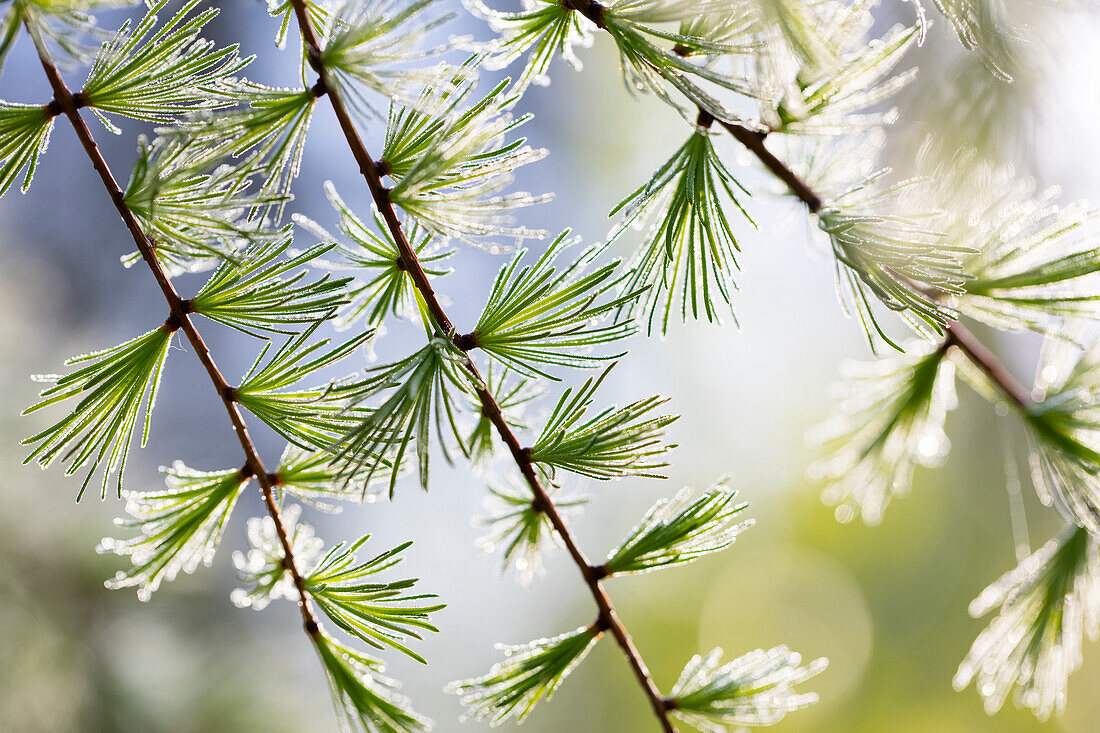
[
  {"x": 957, "y": 334},
  {"x": 979, "y": 355},
  {"x": 754, "y": 141},
  {"x": 66, "y": 102},
  {"x": 369, "y": 168}
]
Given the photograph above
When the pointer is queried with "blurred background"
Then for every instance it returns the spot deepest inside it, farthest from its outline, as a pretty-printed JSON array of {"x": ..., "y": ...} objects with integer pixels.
[{"x": 886, "y": 604}]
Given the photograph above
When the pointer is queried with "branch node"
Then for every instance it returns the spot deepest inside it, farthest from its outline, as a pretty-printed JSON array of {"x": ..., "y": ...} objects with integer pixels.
[
  {"x": 705, "y": 119},
  {"x": 187, "y": 305},
  {"x": 466, "y": 341},
  {"x": 311, "y": 627},
  {"x": 590, "y": 9},
  {"x": 598, "y": 572},
  {"x": 383, "y": 166},
  {"x": 53, "y": 108},
  {"x": 274, "y": 479},
  {"x": 230, "y": 394},
  {"x": 313, "y": 56},
  {"x": 246, "y": 472},
  {"x": 171, "y": 323},
  {"x": 600, "y": 625},
  {"x": 670, "y": 703}
]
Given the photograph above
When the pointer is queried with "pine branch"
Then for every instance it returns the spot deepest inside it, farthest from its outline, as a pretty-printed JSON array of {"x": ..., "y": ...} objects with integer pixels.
[
  {"x": 960, "y": 336},
  {"x": 177, "y": 529},
  {"x": 26, "y": 130},
  {"x": 756, "y": 689},
  {"x": 957, "y": 334},
  {"x": 680, "y": 530},
  {"x": 157, "y": 75},
  {"x": 889, "y": 421},
  {"x": 379, "y": 614},
  {"x": 889, "y": 257},
  {"x": 115, "y": 385},
  {"x": 611, "y": 444},
  {"x": 365, "y": 700},
  {"x": 528, "y": 673},
  {"x": 1048, "y": 606},
  {"x": 180, "y": 317},
  {"x": 754, "y": 141},
  {"x": 490, "y": 408}
]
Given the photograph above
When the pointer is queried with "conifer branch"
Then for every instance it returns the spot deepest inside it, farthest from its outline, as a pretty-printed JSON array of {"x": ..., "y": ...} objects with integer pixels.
[
  {"x": 69, "y": 105},
  {"x": 980, "y": 355},
  {"x": 986, "y": 246},
  {"x": 957, "y": 334},
  {"x": 754, "y": 141},
  {"x": 592, "y": 575},
  {"x": 368, "y": 168}
]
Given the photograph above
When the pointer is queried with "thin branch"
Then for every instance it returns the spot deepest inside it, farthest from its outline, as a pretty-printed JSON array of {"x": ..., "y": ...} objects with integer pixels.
[
  {"x": 369, "y": 169},
  {"x": 957, "y": 334},
  {"x": 754, "y": 141},
  {"x": 592, "y": 577},
  {"x": 179, "y": 318}
]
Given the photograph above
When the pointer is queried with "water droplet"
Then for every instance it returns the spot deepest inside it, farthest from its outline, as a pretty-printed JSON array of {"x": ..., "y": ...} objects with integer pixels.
[{"x": 929, "y": 446}]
